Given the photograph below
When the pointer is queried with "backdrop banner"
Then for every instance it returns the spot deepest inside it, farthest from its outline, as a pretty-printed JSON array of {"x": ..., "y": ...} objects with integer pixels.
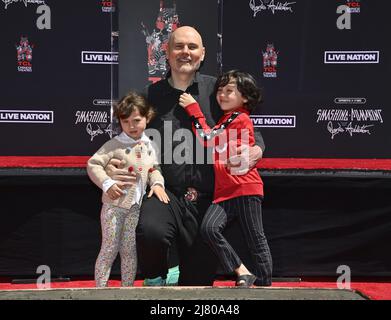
[
  {"x": 324, "y": 67},
  {"x": 55, "y": 77}
]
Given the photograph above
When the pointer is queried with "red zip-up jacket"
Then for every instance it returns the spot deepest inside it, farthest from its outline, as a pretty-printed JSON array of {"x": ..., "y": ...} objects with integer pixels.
[{"x": 233, "y": 129}]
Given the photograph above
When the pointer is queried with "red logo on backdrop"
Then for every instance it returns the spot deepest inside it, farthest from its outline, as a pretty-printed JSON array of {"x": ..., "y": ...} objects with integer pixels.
[
  {"x": 354, "y": 6},
  {"x": 270, "y": 57},
  {"x": 108, "y": 6},
  {"x": 157, "y": 41},
  {"x": 24, "y": 53}
]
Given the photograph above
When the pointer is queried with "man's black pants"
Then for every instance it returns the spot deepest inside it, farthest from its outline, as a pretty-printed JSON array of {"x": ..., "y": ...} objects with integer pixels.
[{"x": 157, "y": 232}]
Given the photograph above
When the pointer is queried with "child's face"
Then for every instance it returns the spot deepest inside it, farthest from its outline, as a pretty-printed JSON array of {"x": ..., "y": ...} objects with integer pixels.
[
  {"x": 134, "y": 125},
  {"x": 229, "y": 97}
]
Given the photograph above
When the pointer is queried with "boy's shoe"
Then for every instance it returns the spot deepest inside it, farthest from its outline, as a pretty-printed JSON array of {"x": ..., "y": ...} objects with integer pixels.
[
  {"x": 245, "y": 280},
  {"x": 155, "y": 282},
  {"x": 172, "y": 276}
]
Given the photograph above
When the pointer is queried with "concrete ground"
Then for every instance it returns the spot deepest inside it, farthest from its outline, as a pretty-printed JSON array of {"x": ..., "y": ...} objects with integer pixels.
[{"x": 182, "y": 293}]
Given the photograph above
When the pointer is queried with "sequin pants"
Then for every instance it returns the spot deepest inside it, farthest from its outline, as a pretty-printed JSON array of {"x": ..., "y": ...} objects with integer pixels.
[{"x": 118, "y": 235}]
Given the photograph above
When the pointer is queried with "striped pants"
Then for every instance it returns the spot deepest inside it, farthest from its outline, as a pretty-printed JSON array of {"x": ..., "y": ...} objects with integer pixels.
[{"x": 248, "y": 209}]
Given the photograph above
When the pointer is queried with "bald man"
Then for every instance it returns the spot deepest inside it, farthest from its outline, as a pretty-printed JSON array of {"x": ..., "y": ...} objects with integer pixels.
[{"x": 189, "y": 185}]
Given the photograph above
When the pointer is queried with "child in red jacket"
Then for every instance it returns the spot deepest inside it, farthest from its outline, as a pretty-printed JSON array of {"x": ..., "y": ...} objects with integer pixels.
[{"x": 236, "y": 195}]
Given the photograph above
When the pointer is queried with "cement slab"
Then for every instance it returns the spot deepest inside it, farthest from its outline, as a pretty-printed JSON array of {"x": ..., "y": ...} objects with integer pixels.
[{"x": 183, "y": 293}]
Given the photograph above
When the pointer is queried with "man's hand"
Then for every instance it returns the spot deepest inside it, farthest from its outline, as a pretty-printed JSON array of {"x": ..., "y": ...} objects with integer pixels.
[
  {"x": 244, "y": 159},
  {"x": 116, "y": 171},
  {"x": 160, "y": 193},
  {"x": 115, "y": 192},
  {"x": 186, "y": 99}
]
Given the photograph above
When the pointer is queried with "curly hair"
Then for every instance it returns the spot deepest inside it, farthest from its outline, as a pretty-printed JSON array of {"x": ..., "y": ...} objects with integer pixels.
[
  {"x": 130, "y": 102},
  {"x": 246, "y": 85}
]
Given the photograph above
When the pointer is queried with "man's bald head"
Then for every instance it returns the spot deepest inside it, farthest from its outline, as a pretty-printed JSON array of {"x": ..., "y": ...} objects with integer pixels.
[
  {"x": 185, "y": 31},
  {"x": 185, "y": 51}
]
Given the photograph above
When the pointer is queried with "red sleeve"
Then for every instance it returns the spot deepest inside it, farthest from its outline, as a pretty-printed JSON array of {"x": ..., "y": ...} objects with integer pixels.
[
  {"x": 207, "y": 135},
  {"x": 194, "y": 110},
  {"x": 199, "y": 125},
  {"x": 244, "y": 122}
]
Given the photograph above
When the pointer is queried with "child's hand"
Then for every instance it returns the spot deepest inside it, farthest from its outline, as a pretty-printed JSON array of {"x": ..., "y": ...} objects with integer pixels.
[
  {"x": 114, "y": 192},
  {"x": 185, "y": 99},
  {"x": 160, "y": 193}
]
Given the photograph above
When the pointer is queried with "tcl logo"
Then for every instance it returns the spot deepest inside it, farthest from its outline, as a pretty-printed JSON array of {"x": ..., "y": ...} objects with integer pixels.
[
  {"x": 24, "y": 64},
  {"x": 107, "y": 3},
  {"x": 353, "y": 4}
]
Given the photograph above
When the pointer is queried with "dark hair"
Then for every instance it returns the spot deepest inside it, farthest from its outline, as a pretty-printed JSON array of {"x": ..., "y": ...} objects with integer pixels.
[
  {"x": 129, "y": 103},
  {"x": 246, "y": 85}
]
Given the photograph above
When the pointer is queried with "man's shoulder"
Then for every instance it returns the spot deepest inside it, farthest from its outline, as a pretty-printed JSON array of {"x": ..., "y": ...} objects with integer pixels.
[
  {"x": 206, "y": 83},
  {"x": 206, "y": 78}
]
